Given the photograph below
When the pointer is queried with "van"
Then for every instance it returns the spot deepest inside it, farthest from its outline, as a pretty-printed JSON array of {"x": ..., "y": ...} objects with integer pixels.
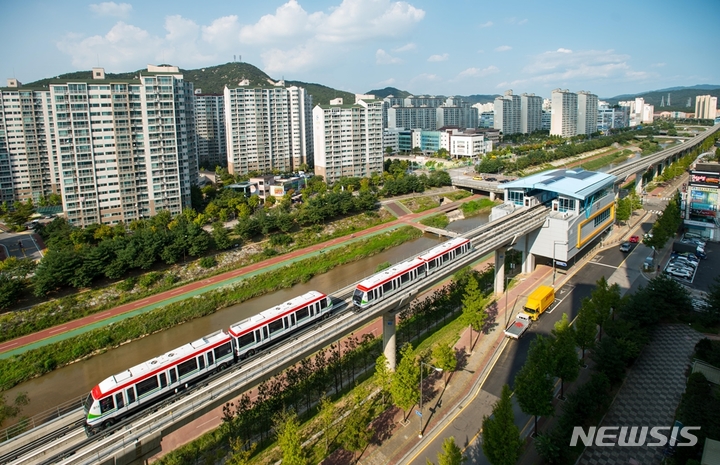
[{"x": 539, "y": 301}]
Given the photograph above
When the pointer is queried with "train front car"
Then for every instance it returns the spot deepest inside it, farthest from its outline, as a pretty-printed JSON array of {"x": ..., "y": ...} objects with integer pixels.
[
  {"x": 387, "y": 282},
  {"x": 148, "y": 383}
]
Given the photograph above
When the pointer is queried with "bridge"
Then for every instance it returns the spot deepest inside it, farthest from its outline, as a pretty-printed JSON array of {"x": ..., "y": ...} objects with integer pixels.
[{"x": 133, "y": 440}]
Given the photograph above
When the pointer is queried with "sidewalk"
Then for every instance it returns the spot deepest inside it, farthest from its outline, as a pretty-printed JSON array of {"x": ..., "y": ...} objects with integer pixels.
[{"x": 113, "y": 315}]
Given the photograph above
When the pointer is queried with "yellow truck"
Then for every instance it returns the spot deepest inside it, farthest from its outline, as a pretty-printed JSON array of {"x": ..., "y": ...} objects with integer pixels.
[{"x": 539, "y": 301}]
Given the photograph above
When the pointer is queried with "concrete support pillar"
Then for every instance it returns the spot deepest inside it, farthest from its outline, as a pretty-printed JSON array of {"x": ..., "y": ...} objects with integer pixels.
[
  {"x": 528, "y": 259},
  {"x": 492, "y": 196},
  {"x": 639, "y": 183},
  {"x": 500, "y": 270},
  {"x": 389, "y": 348}
]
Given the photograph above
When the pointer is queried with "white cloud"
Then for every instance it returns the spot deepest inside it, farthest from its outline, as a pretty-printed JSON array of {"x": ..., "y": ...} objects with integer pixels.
[
  {"x": 443, "y": 57},
  {"x": 477, "y": 72},
  {"x": 503, "y": 48},
  {"x": 481, "y": 51},
  {"x": 487, "y": 24},
  {"x": 119, "y": 10},
  {"x": 360, "y": 20},
  {"x": 290, "y": 21},
  {"x": 387, "y": 82},
  {"x": 658, "y": 65},
  {"x": 405, "y": 48},
  {"x": 296, "y": 59},
  {"x": 384, "y": 58},
  {"x": 564, "y": 50},
  {"x": 522, "y": 21},
  {"x": 425, "y": 77},
  {"x": 222, "y": 32}
]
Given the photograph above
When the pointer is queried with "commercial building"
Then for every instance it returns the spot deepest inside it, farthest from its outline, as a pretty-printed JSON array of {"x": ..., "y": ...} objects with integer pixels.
[
  {"x": 530, "y": 113},
  {"x": 118, "y": 150},
  {"x": 267, "y": 128},
  {"x": 399, "y": 140},
  {"x": 612, "y": 117},
  {"x": 701, "y": 203},
  {"x": 210, "y": 129},
  {"x": 348, "y": 139},
  {"x": 487, "y": 120},
  {"x": 564, "y": 119},
  {"x": 582, "y": 205},
  {"x": 705, "y": 107},
  {"x": 470, "y": 143},
  {"x": 587, "y": 112}
]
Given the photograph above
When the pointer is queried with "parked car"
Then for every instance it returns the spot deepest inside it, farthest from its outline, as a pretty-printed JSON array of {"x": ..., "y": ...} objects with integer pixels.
[
  {"x": 680, "y": 267},
  {"x": 625, "y": 247},
  {"x": 685, "y": 261},
  {"x": 634, "y": 239},
  {"x": 491, "y": 179},
  {"x": 478, "y": 178},
  {"x": 678, "y": 272},
  {"x": 690, "y": 257},
  {"x": 503, "y": 181}
]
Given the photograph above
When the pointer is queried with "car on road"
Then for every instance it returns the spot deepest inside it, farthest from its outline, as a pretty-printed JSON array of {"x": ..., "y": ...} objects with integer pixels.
[
  {"x": 625, "y": 247},
  {"x": 634, "y": 239},
  {"x": 478, "y": 178},
  {"x": 503, "y": 181},
  {"x": 491, "y": 179},
  {"x": 678, "y": 272}
]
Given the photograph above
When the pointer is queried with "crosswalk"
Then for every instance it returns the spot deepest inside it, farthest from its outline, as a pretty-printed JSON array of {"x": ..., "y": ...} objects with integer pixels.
[{"x": 655, "y": 212}]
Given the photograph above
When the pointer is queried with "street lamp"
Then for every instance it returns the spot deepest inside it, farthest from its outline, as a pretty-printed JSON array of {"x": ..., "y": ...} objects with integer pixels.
[
  {"x": 439, "y": 370},
  {"x": 554, "y": 244}
]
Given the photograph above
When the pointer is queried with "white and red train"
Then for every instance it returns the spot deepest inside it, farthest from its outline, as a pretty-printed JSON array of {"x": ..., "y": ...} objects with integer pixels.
[{"x": 123, "y": 394}]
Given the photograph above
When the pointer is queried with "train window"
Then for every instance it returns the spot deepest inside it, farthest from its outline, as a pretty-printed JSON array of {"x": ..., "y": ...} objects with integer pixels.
[
  {"x": 323, "y": 303},
  {"x": 187, "y": 367},
  {"x": 445, "y": 257},
  {"x": 131, "y": 395},
  {"x": 119, "y": 400},
  {"x": 405, "y": 277},
  {"x": 163, "y": 380},
  {"x": 432, "y": 264},
  {"x": 225, "y": 349},
  {"x": 210, "y": 358},
  {"x": 275, "y": 326},
  {"x": 173, "y": 375},
  {"x": 257, "y": 335},
  {"x": 302, "y": 314},
  {"x": 245, "y": 340},
  {"x": 146, "y": 386},
  {"x": 292, "y": 319},
  {"x": 106, "y": 404},
  {"x": 201, "y": 359},
  {"x": 265, "y": 332},
  {"x": 421, "y": 269},
  {"x": 387, "y": 287}
]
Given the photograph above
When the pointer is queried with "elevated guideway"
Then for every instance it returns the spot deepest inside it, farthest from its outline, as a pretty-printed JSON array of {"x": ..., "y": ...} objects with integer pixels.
[{"x": 139, "y": 437}]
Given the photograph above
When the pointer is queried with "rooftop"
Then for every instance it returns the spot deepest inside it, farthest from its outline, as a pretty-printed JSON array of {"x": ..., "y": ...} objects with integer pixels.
[{"x": 575, "y": 183}]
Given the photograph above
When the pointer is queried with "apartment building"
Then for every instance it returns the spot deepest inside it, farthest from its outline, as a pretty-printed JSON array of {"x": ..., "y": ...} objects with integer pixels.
[
  {"x": 705, "y": 107},
  {"x": 116, "y": 150},
  {"x": 610, "y": 117},
  {"x": 348, "y": 139},
  {"x": 563, "y": 121},
  {"x": 210, "y": 130},
  {"x": 508, "y": 110},
  {"x": 530, "y": 113},
  {"x": 587, "y": 112},
  {"x": 267, "y": 128},
  {"x": 428, "y": 113},
  {"x": 640, "y": 112}
]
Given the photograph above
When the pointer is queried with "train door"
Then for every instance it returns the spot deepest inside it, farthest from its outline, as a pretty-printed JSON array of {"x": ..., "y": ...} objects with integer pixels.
[
  {"x": 119, "y": 400},
  {"x": 210, "y": 359},
  {"x": 131, "y": 394}
]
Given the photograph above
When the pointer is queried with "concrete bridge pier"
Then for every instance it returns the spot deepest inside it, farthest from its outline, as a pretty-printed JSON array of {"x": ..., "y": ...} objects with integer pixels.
[
  {"x": 389, "y": 345},
  {"x": 492, "y": 196},
  {"x": 528, "y": 259},
  {"x": 500, "y": 270},
  {"x": 639, "y": 183}
]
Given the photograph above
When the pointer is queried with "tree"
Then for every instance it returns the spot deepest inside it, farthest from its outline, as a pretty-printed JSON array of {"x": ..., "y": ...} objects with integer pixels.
[
  {"x": 474, "y": 315},
  {"x": 624, "y": 209},
  {"x": 565, "y": 361},
  {"x": 287, "y": 429},
  {"x": 221, "y": 236},
  {"x": 501, "y": 437},
  {"x": 451, "y": 453},
  {"x": 712, "y": 303},
  {"x": 241, "y": 452},
  {"x": 405, "y": 384},
  {"x": 444, "y": 357},
  {"x": 533, "y": 383},
  {"x": 327, "y": 415},
  {"x": 604, "y": 299},
  {"x": 356, "y": 435},
  {"x": 585, "y": 327},
  {"x": 12, "y": 410},
  {"x": 383, "y": 376}
]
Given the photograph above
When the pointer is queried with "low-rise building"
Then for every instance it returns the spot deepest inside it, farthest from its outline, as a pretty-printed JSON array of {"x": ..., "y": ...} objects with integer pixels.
[{"x": 700, "y": 206}]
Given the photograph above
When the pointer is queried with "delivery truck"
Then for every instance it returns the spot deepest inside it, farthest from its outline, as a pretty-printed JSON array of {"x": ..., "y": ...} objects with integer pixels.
[{"x": 539, "y": 301}]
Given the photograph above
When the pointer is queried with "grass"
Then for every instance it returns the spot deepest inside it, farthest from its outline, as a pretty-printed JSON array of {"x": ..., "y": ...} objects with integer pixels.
[
  {"x": 475, "y": 207},
  {"x": 458, "y": 195},
  {"x": 420, "y": 204},
  {"x": 436, "y": 221},
  {"x": 606, "y": 160}
]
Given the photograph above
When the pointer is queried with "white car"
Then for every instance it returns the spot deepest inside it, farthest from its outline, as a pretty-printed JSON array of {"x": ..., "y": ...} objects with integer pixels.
[
  {"x": 692, "y": 258},
  {"x": 680, "y": 266},
  {"x": 685, "y": 261},
  {"x": 678, "y": 272}
]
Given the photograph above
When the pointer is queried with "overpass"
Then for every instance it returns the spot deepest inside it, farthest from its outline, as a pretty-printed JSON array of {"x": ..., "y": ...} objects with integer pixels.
[{"x": 135, "y": 439}]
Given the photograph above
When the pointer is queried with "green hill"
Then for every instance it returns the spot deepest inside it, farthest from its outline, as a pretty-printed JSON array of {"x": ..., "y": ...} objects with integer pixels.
[
  {"x": 678, "y": 97},
  {"x": 395, "y": 92}
]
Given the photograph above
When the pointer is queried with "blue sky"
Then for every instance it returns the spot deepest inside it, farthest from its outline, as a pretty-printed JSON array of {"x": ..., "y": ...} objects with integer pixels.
[{"x": 423, "y": 46}]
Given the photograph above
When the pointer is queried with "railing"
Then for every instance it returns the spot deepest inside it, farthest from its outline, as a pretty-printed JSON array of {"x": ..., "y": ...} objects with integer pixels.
[{"x": 26, "y": 424}]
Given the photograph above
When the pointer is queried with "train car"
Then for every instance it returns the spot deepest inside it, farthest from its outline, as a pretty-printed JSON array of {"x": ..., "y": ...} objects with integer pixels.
[
  {"x": 405, "y": 274},
  {"x": 271, "y": 326},
  {"x": 149, "y": 382}
]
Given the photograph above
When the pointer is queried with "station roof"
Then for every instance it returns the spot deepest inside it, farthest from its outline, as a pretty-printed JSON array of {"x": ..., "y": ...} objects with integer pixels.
[{"x": 575, "y": 183}]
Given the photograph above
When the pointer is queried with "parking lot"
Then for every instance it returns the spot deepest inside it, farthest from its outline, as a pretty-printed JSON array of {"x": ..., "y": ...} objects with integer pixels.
[{"x": 703, "y": 276}]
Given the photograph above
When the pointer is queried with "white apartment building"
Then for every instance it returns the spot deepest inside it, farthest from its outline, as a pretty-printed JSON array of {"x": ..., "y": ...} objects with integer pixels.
[
  {"x": 115, "y": 150},
  {"x": 348, "y": 139},
  {"x": 587, "y": 112},
  {"x": 469, "y": 145},
  {"x": 267, "y": 128},
  {"x": 640, "y": 112},
  {"x": 210, "y": 130},
  {"x": 428, "y": 113},
  {"x": 530, "y": 113},
  {"x": 507, "y": 113},
  {"x": 563, "y": 121},
  {"x": 705, "y": 107}
]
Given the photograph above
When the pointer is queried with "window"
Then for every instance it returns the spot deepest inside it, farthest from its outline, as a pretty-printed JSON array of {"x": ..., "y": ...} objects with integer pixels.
[
  {"x": 146, "y": 386},
  {"x": 119, "y": 400},
  {"x": 323, "y": 303},
  {"x": 275, "y": 326},
  {"x": 106, "y": 404},
  {"x": 210, "y": 358},
  {"x": 302, "y": 314},
  {"x": 516, "y": 197},
  {"x": 173, "y": 375},
  {"x": 601, "y": 218},
  {"x": 432, "y": 264},
  {"x": 163, "y": 380},
  {"x": 567, "y": 204},
  {"x": 131, "y": 395},
  {"x": 201, "y": 359},
  {"x": 387, "y": 287},
  {"x": 405, "y": 277},
  {"x": 186, "y": 367},
  {"x": 226, "y": 349}
]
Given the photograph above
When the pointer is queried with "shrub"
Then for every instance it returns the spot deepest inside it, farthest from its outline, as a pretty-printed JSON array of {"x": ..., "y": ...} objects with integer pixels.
[
  {"x": 127, "y": 285},
  {"x": 147, "y": 280},
  {"x": 280, "y": 239},
  {"x": 208, "y": 262}
]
